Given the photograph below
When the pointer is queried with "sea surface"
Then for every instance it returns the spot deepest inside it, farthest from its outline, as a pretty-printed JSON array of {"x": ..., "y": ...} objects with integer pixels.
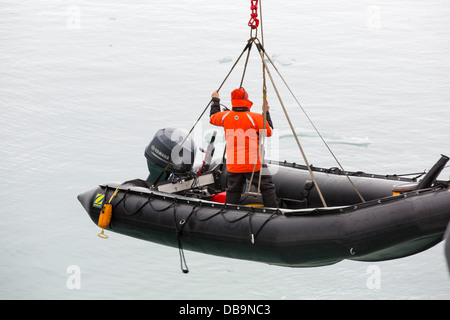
[{"x": 84, "y": 86}]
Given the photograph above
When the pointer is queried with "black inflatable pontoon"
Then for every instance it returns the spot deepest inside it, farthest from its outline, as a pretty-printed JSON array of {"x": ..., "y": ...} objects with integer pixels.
[{"x": 400, "y": 216}]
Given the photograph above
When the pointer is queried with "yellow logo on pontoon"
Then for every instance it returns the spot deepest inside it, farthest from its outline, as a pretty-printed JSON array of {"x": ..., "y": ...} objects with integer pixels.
[{"x": 98, "y": 200}]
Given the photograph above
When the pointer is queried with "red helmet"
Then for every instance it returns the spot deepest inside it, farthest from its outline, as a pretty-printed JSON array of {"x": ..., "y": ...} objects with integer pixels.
[
  {"x": 239, "y": 94},
  {"x": 239, "y": 98}
]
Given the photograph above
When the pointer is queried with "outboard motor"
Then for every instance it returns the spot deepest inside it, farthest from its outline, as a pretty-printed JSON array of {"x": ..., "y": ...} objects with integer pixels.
[{"x": 166, "y": 156}]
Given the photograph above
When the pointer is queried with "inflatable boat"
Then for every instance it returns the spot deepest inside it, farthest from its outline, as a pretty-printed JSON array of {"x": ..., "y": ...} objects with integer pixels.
[{"x": 183, "y": 206}]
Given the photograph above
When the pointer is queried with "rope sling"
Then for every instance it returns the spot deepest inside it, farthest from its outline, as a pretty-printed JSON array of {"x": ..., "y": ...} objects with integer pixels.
[{"x": 254, "y": 24}]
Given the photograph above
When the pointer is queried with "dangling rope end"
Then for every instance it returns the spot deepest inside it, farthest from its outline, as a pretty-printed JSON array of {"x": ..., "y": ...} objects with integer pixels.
[
  {"x": 103, "y": 235},
  {"x": 183, "y": 264}
]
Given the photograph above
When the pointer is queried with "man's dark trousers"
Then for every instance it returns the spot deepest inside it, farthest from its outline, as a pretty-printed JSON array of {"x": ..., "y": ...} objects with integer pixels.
[{"x": 236, "y": 183}]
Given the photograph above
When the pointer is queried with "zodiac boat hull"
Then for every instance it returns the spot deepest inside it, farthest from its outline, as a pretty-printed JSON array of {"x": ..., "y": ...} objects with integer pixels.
[{"x": 384, "y": 228}]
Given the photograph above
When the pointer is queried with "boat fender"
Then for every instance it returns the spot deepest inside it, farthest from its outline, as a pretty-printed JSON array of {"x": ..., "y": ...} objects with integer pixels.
[{"x": 106, "y": 215}]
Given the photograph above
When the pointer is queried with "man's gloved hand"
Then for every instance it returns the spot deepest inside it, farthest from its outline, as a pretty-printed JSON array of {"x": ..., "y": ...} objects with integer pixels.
[
  {"x": 265, "y": 106},
  {"x": 215, "y": 94}
]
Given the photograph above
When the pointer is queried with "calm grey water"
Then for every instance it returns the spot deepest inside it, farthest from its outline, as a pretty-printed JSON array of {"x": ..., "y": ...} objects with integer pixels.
[{"x": 84, "y": 85}]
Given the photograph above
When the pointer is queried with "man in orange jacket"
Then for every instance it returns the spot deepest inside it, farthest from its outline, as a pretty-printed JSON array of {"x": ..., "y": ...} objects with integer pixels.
[{"x": 242, "y": 131}]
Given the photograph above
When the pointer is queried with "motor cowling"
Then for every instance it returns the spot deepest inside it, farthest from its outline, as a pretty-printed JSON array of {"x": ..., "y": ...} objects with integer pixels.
[{"x": 165, "y": 150}]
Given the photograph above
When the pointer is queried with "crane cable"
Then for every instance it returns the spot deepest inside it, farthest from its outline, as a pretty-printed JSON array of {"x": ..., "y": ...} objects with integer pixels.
[
  {"x": 262, "y": 139},
  {"x": 253, "y": 23},
  {"x": 262, "y": 52}
]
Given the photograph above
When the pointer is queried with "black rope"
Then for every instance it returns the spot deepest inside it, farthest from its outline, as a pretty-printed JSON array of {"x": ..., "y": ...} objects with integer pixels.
[
  {"x": 252, "y": 237},
  {"x": 273, "y": 215},
  {"x": 125, "y": 207},
  {"x": 182, "y": 223},
  {"x": 158, "y": 210},
  {"x": 183, "y": 264},
  {"x": 222, "y": 210},
  {"x": 238, "y": 219}
]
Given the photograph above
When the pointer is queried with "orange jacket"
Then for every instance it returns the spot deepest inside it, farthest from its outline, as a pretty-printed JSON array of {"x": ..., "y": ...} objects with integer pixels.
[{"x": 242, "y": 131}]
